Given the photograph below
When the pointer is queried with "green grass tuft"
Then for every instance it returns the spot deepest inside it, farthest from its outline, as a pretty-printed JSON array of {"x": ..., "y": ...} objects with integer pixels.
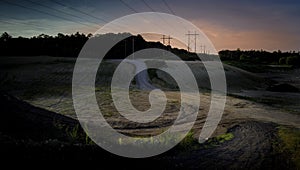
[
  {"x": 290, "y": 138},
  {"x": 219, "y": 140}
]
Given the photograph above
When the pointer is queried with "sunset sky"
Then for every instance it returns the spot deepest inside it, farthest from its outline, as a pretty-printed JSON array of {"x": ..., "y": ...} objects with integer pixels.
[{"x": 269, "y": 25}]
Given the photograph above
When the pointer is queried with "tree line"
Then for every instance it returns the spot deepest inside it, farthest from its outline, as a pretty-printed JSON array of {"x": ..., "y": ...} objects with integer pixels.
[
  {"x": 261, "y": 57},
  {"x": 59, "y": 45},
  {"x": 70, "y": 45}
]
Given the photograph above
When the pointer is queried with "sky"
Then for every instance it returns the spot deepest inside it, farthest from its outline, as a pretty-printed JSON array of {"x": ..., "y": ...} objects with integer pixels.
[{"x": 231, "y": 24}]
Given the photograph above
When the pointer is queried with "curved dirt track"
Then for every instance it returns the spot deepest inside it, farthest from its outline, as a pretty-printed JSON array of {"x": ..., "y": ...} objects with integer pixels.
[{"x": 251, "y": 148}]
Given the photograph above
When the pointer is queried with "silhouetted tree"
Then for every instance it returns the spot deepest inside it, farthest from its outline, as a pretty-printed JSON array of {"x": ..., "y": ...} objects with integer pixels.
[{"x": 5, "y": 36}]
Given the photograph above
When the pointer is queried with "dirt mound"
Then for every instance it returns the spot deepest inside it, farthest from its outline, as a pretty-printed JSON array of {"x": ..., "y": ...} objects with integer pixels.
[
  {"x": 236, "y": 78},
  {"x": 21, "y": 120}
]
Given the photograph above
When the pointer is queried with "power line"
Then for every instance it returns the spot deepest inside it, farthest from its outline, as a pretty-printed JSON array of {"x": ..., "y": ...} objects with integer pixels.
[
  {"x": 87, "y": 14},
  {"x": 166, "y": 38},
  {"x": 17, "y": 19},
  {"x": 173, "y": 12},
  {"x": 163, "y": 38},
  {"x": 133, "y": 48},
  {"x": 154, "y": 11},
  {"x": 163, "y": 19},
  {"x": 132, "y": 9},
  {"x": 45, "y": 6},
  {"x": 169, "y": 40},
  {"x": 43, "y": 12},
  {"x": 169, "y": 8},
  {"x": 128, "y": 6},
  {"x": 6, "y": 22},
  {"x": 53, "y": 15},
  {"x": 195, "y": 38},
  {"x": 148, "y": 5},
  {"x": 188, "y": 47},
  {"x": 16, "y": 23},
  {"x": 202, "y": 47},
  {"x": 79, "y": 11}
]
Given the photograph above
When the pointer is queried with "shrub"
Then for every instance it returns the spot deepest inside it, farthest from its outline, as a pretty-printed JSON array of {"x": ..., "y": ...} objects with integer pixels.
[
  {"x": 293, "y": 60},
  {"x": 244, "y": 57},
  {"x": 282, "y": 60}
]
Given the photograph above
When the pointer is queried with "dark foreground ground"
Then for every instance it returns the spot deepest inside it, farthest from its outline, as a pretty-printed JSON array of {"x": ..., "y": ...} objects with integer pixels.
[{"x": 31, "y": 133}]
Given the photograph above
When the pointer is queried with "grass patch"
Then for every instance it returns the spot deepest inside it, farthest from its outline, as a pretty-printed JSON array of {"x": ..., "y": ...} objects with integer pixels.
[
  {"x": 224, "y": 137},
  {"x": 74, "y": 134},
  {"x": 219, "y": 140},
  {"x": 189, "y": 142},
  {"x": 290, "y": 138}
]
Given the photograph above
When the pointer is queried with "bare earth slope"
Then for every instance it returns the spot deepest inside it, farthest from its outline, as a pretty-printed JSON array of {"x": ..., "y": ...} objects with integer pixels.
[{"x": 46, "y": 86}]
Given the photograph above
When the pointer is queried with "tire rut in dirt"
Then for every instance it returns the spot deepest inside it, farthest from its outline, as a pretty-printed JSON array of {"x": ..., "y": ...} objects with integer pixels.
[{"x": 251, "y": 148}]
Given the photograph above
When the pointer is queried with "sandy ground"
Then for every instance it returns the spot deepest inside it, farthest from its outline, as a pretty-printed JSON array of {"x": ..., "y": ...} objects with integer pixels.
[
  {"x": 236, "y": 110},
  {"x": 46, "y": 84}
]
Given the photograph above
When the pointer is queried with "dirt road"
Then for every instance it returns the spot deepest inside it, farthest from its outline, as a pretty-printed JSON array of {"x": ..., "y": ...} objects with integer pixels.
[{"x": 252, "y": 148}]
